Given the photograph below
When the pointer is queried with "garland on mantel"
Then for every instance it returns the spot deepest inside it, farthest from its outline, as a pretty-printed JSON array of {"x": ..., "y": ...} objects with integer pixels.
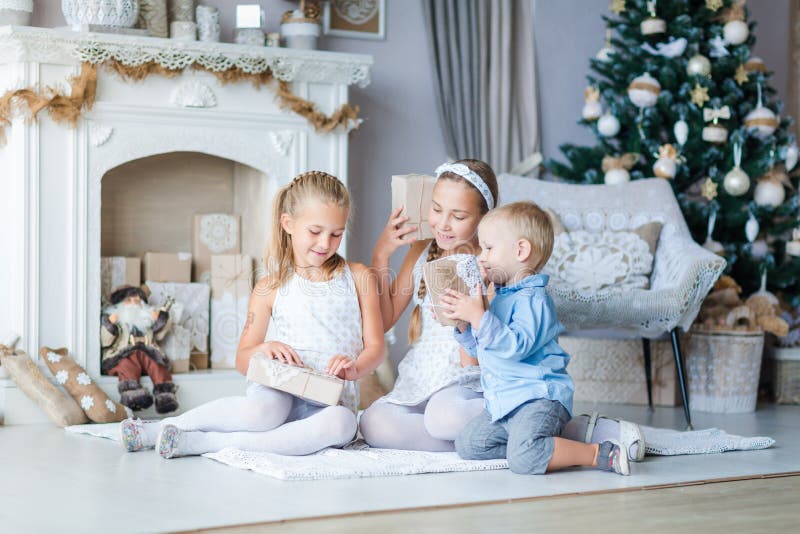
[
  {"x": 65, "y": 109},
  {"x": 62, "y": 109}
]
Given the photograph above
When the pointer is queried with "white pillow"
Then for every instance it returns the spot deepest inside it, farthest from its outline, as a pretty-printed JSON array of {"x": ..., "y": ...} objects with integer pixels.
[{"x": 604, "y": 261}]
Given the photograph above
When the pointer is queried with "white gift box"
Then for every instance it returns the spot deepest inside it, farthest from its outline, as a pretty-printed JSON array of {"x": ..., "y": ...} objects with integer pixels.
[
  {"x": 195, "y": 300},
  {"x": 231, "y": 282},
  {"x": 302, "y": 382}
]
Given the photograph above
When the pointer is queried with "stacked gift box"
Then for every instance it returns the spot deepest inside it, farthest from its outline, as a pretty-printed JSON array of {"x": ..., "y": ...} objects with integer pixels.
[{"x": 210, "y": 287}]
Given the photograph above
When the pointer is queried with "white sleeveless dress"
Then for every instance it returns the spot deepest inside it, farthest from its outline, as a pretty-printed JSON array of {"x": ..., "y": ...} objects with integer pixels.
[
  {"x": 320, "y": 320},
  {"x": 433, "y": 361}
]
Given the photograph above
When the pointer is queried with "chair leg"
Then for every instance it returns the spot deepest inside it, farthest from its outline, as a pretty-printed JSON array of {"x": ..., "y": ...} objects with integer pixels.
[
  {"x": 676, "y": 349},
  {"x": 647, "y": 372}
]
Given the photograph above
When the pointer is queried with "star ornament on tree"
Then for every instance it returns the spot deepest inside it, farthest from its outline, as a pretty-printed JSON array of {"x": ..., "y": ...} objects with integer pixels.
[
  {"x": 741, "y": 75},
  {"x": 709, "y": 189},
  {"x": 699, "y": 95},
  {"x": 713, "y": 5},
  {"x": 617, "y": 6}
]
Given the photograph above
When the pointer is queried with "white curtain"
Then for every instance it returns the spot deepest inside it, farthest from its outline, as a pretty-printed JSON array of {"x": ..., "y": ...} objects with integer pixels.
[{"x": 484, "y": 67}]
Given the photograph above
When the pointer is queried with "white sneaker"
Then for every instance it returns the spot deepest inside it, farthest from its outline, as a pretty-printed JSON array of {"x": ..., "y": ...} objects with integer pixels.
[{"x": 629, "y": 435}]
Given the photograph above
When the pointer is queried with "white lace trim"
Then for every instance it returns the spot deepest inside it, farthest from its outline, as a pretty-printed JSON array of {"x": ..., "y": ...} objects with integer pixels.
[
  {"x": 469, "y": 175},
  {"x": 44, "y": 45}
]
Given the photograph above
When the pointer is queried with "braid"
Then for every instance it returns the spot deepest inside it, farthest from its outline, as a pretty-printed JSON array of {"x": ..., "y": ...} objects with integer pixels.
[{"x": 415, "y": 325}]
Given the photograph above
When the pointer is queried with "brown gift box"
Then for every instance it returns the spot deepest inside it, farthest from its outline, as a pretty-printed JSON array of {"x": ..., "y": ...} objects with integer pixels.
[
  {"x": 214, "y": 233},
  {"x": 168, "y": 267},
  {"x": 442, "y": 274},
  {"x": 414, "y": 192},
  {"x": 302, "y": 382},
  {"x": 198, "y": 360}
]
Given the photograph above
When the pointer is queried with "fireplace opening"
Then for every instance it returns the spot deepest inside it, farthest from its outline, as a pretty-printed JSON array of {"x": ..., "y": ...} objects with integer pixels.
[{"x": 150, "y": 205}]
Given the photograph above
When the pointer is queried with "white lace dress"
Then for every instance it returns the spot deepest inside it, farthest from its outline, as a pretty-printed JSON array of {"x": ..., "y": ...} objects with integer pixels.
[
  {"x": 433, "y": 361},
  {"x": 320, "y": 320}
]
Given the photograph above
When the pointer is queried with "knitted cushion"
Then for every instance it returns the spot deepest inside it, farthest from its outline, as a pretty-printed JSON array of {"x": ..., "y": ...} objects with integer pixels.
[
  {"x": 86, "y": 393},
  {"x": 606, "y": 260},
  {"x": 59, "y": 408}
]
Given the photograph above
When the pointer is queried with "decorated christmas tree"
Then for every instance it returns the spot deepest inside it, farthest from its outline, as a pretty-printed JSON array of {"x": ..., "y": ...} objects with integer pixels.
[{"x": 676, "y": 94}]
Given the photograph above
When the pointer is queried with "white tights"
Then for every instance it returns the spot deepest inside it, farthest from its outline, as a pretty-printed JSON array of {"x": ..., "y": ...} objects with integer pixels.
[
  {"x": 429, "y": 426},
  {"x": 265, "y": 420}
]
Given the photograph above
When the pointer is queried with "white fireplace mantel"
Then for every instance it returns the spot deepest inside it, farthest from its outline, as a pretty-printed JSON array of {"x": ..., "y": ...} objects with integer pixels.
[{"x": 51, "y": 175}]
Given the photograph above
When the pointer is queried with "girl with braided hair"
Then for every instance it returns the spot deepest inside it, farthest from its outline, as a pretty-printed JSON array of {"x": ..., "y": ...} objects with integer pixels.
[{"x": 438, "y": 386}]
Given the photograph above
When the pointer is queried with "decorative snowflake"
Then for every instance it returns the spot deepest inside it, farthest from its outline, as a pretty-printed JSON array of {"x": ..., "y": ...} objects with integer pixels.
[
  {"x": 62, "y": 376},
  {"x": 87, "y": 402},
  {"x": 53, "y": 357},
  {"x": 713, "y": 5},
  {"x": 83, "y": 379},
  {"x": 111, "y": 406},
  {"x": 741, "y": 75}
]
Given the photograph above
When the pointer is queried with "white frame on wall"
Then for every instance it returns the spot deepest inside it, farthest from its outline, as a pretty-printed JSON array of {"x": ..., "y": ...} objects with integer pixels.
[{"x": 381, "y": 35}]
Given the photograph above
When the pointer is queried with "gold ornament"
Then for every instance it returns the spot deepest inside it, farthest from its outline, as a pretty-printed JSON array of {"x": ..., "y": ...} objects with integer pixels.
[
  {"x": 709, "y": 189},
  {"x": 741, "y": 75},
  {"x": 617, "y": 6},
  {"x": 699, "y": 95},
  {"x": 713, "y": 5}
]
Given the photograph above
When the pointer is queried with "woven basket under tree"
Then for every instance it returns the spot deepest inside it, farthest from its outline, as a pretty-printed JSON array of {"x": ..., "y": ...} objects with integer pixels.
[{"x": 726, "y": 346}]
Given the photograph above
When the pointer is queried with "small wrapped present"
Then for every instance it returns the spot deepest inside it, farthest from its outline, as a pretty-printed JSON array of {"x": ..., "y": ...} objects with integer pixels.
[
  {"x": 459, "y": 272},
  {"x": 302, "y": 382},
  {"x": 116, "y": 271},
  {"x": 195, "y": 301},
  {"x": 414, "y": 192},
  {"x": 177, "y": 344},
  {"x": 168, "y": 267},
  {"x": 214, "y": 233},
  {"x": 231, "y": 283}
]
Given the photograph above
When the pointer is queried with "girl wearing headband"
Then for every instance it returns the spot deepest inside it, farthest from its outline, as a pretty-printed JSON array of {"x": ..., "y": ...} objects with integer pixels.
[{"x": 438, "y": 386}]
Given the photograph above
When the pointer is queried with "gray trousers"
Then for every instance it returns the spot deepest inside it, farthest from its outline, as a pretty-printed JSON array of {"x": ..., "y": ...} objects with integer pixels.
[{"x": 524, "y": 437}]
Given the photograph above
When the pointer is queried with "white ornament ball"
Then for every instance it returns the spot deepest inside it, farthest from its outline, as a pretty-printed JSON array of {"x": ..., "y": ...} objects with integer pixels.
[
  {"x": 715, "y": 133},
  {"x": 616, "y": 176},
  {"x": 736, "y": 182},
  {"x": 762, "y": 121},
  {"x": 769, "y": 193},
  {"x": 592, "y": 110},
  {"x": 681, "y": 131},
  {"x": 608, "y": 125},
  {"x": 759, "y": 249},
  {"x": 751, "y": 229},
  {"x": 665, "y": 168},
  {"x": 735, "y": 32},
  {"x": 698, "y": 65},
  {"x": 644, "y": 90},
  {"x": 791, "y": 156},
  {"x": 793, "y": 248},
  {"x": 604, "y": 54}
]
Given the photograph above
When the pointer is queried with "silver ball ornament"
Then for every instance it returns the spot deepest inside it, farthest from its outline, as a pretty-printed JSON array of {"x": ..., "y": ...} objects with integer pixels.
[
  {"x": 736, "y": 182},
  {"x": 608, "y": 125},
  {"x": 698, "y": 65}
]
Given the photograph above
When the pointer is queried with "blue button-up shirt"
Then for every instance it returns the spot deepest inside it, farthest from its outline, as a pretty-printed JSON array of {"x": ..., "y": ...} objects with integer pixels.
[{"x": 517, "y": 348}]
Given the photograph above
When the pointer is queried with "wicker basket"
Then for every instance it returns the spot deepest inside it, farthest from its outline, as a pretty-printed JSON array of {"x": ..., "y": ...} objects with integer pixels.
[
  {"x": 786, "y": 375},
  {"x": 723, "y": 370}
]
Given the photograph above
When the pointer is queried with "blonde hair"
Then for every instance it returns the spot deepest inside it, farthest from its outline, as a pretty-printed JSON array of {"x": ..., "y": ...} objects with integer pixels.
[
  {"x": 527, "y": 221},
  {"x": 279, "y": 257},
  {"x": 486, "y": 173}
]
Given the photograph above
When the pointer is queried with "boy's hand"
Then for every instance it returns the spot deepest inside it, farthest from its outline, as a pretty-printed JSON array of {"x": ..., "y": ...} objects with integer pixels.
[{"x": 460, "y": 307}]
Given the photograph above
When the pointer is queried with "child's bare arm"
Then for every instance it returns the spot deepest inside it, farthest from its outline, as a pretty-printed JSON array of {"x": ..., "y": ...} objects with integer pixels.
[
  {"x": 371, "y": 328},
  {"x": 255, "y": 328}
]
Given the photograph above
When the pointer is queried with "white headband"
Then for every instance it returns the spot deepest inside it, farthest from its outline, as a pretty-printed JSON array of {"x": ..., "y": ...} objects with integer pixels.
[{"x": 469, "y": 175}]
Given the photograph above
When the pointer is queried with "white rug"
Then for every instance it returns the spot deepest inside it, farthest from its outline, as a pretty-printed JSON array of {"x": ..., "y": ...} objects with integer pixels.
[{"x": 357, "y": 460}]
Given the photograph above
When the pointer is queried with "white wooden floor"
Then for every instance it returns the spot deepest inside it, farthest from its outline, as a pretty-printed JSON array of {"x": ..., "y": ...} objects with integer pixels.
[{"x": 50, "y": 480}]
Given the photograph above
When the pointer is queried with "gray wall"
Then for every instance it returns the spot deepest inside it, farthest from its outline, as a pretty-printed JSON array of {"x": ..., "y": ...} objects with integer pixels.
[{"x": 401, "y": 133}]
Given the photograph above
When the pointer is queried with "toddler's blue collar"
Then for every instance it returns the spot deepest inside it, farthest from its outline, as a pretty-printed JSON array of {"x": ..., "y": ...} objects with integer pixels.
[{"x": 534, "y": 280}]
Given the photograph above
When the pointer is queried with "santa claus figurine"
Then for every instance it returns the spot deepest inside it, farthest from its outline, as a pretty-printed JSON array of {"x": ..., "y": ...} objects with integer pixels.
[{"x": 130, "y": 332}]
